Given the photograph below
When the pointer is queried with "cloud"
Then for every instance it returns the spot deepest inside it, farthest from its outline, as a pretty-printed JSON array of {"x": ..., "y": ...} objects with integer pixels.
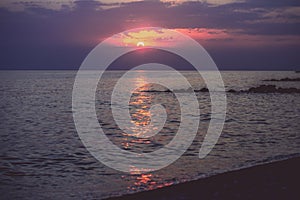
[
  {"x": 231, "y": 38},
  {"x": 40, "y": 35},
  {"x": 17, "y": 5}
]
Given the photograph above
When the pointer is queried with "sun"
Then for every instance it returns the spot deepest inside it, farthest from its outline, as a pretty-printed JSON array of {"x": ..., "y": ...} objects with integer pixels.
[{"x": 140, "y": 44}]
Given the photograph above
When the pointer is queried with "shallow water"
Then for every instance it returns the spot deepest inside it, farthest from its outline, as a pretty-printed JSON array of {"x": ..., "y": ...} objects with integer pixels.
[{"x": 41, "y": 155}]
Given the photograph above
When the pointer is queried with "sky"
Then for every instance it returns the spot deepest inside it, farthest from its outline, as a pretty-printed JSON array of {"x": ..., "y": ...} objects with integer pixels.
[{"x": 238, "y": 34}]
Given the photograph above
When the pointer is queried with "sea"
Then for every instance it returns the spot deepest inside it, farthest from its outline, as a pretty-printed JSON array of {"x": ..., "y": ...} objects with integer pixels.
[{"x": 43, "y": 157}]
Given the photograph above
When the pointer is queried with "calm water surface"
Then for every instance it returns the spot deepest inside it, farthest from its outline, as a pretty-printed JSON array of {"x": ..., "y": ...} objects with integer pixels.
[{"x": 41, "y": 155}]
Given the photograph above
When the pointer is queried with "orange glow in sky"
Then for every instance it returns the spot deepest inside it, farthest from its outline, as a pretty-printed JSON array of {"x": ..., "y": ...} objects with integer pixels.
[
  {"x": 147, "y": 37},
  {"x": 158, "y": 37},
  {"x": 154, "y": 37}
]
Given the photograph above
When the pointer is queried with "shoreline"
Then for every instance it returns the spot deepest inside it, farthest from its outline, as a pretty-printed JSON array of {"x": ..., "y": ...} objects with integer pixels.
[{"x": 277, "y": 180}]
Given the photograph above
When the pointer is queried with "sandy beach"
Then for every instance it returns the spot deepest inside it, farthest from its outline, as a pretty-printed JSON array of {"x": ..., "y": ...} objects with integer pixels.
[{"x": 278, "y": 180}]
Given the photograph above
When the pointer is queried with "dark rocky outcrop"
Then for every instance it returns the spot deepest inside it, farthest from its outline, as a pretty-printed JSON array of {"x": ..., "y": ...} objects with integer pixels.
[
  {"x": 284, "y": 80},
  {"x": 202, "y": 90},
  {"x": 271, "y": 89},
  {"x": 258, "y": 89}
]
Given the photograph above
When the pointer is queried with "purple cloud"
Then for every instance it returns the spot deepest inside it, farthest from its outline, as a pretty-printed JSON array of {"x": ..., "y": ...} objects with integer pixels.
[{"x": 38, "y": 36}]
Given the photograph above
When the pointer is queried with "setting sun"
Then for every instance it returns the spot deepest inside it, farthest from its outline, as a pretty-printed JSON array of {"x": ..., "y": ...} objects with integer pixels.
[{"x": 140, "y": 44}]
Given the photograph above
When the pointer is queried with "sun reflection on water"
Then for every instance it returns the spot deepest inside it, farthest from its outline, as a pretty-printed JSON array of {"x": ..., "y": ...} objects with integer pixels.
[
  {"x": 140, "y": 115},
  {"x": 148, "y": 181},
  {"x": 140, "y": 105}
]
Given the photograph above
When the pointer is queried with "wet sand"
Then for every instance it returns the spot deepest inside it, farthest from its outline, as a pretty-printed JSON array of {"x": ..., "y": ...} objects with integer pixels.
[{"x": 278, "y": 180}]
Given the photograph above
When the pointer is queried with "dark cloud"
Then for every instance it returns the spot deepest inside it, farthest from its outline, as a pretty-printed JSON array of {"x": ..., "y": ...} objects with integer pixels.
[
  {"x": 45, "y": 38},
  {"x": 273, "y": 3}
]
